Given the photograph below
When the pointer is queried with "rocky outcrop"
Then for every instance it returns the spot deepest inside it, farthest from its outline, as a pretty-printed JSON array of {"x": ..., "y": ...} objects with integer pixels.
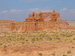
[
  {"x": 39, "y": 26},
  {"x": 48, "y": 15},
  {"x": 33, "y": 23},
  {"x": 13, "y": 27},
  {"x": 41, "y": 22}
]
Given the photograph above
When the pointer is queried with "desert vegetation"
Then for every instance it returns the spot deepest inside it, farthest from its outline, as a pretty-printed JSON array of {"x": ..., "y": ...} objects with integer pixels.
[{"x": 8, "y": 39}]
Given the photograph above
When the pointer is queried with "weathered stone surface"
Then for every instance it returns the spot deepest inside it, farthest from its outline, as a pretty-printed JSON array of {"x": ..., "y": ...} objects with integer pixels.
[
  {"x": 38, "y": 24},
  {"x": 40, "y": 17},
  {"x": 48, "y": 16},
  {"x": 12, "y": 27},
  {"x": 31, "y": 17},
  {"x": 54, "y": 17}
]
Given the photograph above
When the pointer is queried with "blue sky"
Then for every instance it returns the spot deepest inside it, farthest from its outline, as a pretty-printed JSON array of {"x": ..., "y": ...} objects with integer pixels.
[{"x": 19, "y": 9}]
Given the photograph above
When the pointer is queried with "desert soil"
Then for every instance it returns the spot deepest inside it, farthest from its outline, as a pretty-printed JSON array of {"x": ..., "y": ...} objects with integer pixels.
[{"x": 44, "y": 49}]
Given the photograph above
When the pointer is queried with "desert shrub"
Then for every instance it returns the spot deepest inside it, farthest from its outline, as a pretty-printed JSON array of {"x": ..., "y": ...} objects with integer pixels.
[
  {"x": 26, "y": 40},
  {"x": 68, "y": 52},
  {"x": 73, "y": 38},
  {"x": 72, "y": 47},
  {"x": 10, "y": 39},
  {"x": 41, "y": 39},
  {"x": 41, "y": 35},
  {"x": 53, "y": 54},
  {"x": 33, "y": 39},
  {"x": 50, "y": 38},
  {"x": 66, "y": 40},
  {"x": 40, "y": 54},
  {"x": 4, "y": 46},
  {"x": 64, "y": 55},
  {"x": 55, "y": 37},
  {"x": 37, "y": 39},
  {"x": 20, "y": 38},
  {"x": 0, "y": 44},
  {"x": 58, "y": 38},
  {"x": 70, "y": 40},
  {"x": 68, "y": 35},
  {"x": 22, "y": 42}
]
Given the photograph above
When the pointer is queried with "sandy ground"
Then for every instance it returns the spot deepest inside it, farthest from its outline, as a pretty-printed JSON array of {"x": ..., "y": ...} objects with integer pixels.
[{"x": 44, "y": 49}]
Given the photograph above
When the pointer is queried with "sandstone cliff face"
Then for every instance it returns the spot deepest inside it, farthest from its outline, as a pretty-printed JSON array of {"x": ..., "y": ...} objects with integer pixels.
[
  {"x": 48, "y": 15},
  {"x": 39, "y": 26}
]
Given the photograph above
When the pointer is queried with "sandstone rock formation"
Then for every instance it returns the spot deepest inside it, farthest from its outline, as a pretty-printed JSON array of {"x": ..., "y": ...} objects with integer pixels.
[
  {"x": 38, "y": 24},
  {"x": 41, "y": 22},
  {"x": 54, "y": 17},
  {"x": 31, "y": 17},
  {"x": 48, "y": 15},
  {"x": 40, "y": 17},
  {"x": 13, "y": 27}
]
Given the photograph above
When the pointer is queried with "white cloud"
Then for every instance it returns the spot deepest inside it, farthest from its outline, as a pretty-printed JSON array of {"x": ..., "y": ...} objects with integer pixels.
[
  {"x": 65, "y": 13},
  {"x": 18, "y": 11},
  {"x": 70, "y": 11},
  {"x": 38, "y": 10},
  {"x": 4, "y": 11},
  {"x": 64, "y": 9},
  {"x": 14, "y": 10},
  {"x": 35, "y": 9},
  {"x": 68, "y": 14}
]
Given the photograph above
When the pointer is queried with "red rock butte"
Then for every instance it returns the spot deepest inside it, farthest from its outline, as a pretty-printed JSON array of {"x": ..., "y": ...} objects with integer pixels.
[
  {"x": 33, "y": 23},
  {"x": 43, "y": 21}
]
